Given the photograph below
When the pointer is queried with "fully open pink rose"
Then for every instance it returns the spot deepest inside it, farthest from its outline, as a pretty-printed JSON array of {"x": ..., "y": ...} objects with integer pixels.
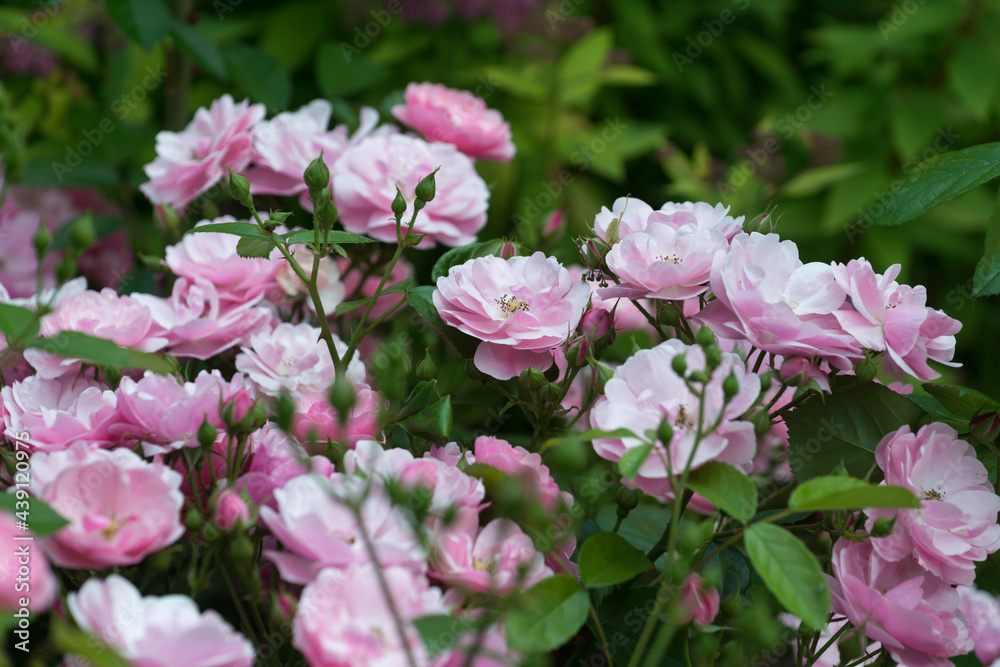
[
  {"x": 522, "y": 308},
  {"x": 914, "y": 614},
  {"x": 38, "y": 585},
  {"x": 956, "y": 525},
  {"x": 51, "y": 415},
  {"x": 456, "y": 117},
  {"x": 191, "y": 161},
  {"x": 635, "y": 215},
  {"x": 366, "y": 176},
  {"x": 120, "y": 508},
  {"x": 343, "y": 618},
  {"x": 318, "y": 529},
  {"x": 154, "y": 631},
  {"x": 498, "y": 557},
  {"x": 645, "y": 390}
]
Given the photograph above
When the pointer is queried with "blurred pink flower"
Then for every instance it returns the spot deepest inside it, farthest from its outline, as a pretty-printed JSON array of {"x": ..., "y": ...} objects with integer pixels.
[
  {"x": 498, "y": 557},
  {"x": 956, "y": 525},
  {"x": 492, "y": 650},
  {"x": 982, "y": 610},
  {"x": 231, "y": 510},
  {"x": 191, "y": 161},
  {"x": 316, "y": 419},
  {"x": 155, "y": 631},
  {"x": 344, "y": 619},
  {"x": 521, "y": 309},
  {"x": 698, "y": 602},
  {"x": 645, "y": 390},
  {"x": 120, "y": 508},
  {"x": 39, "y": 585},
  {"x": 456, "y": 117},
  {"x": 366, "y": 176},
  {"x": 914, "y": 614},
  {"x": 51, "y": 415},
  {"x": 635, "y": 215},
  {"x": 356, "y": 288},
  {"x": 275, "y": 460},
  {"x": 527, "y": 466},
  {"x": 331, "y": 290}
]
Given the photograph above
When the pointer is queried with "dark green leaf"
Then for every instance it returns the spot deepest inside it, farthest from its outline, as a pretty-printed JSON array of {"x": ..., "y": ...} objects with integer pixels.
[
  {"x": 423, "y": 395},
  {"x": 589, "y": 434},
  {"x": 847, "y": 493},
  {"x": 42, "y": 519},
  {"x": 727, "y": 488},
  {"x": 348, "y": 306},
  {"x": 249, "y": 248},
  {"x": 961, "y": 401},
  {"x": 547, "y": 615},
  {"x": 632, "y": 460},
  {"x": 145, "y": 21},
  {"x": 99, "y": 351},
  {"x": 340, "y": 74},
  {"x": 259, "y": 75},
  {"x": 420, "y": 300},
  {"x": 432, "y": 422},
  {"x": 845, "y": 426},
  {"x": 986, "y": 279},
  {"x": 201, "y": 49},
  {"x": 246, "y": 230},
  {"x": 332, "y": 236},
  {"x": 459, "y": 256},
  {"x": 939, "y": 181},
  {"x": 607, "y": 559},
  {"x": 18, "y": 324},
  {"x": 439, "y": 632},
  {"x": 790, "y": 571}
]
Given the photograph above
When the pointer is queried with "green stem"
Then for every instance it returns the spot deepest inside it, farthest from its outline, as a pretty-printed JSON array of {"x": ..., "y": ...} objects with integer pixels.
[
  {"x": 239, "y": 603},
  {"x": 815, "y": 656}
]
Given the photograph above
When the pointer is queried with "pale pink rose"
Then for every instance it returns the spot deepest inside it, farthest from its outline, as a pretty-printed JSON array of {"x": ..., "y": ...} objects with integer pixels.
[
  {"x": 231, "y": 510},
  {"x": 198, "y": 324},
  {"x": 294, "y": 358},
  {"x": 956, "y": 525},
  {"x": 18, "y": 260},
  {"x": 25, "y": 574},
  {"x": 165, "y": 415},
  {"x": 526, "y": 466},
  {"x": 316, "y": 420},
  {"x": 366, "y": 176},
  {"x": 343, "y": 618},
  {"x": 155, "y": 631},
  {"x": 356, "y": 288},
  {"x": 275, "y": 459},
  {"x": 885, "y": 316},
  {"x": 51, "y": 415},
  {"x": 914, "y": 614},
  {"x": 664, "y": 262},
  {"x": 212, "y": 256},
  {"x": 120, "y": 319},
  {"x": 765, "y": 295},
  {"x": 645, "y": 390},
  {"x": 498, "y": 557},
  {"x": 635, "y": 215},
  {"x": 331, "y": 290},
  {"x": 983, "y": 613},
  {"x": 191, "y": 161},
  {"x": 290, "y": 141},
  {"x": 456, "y": 117},
  {"x": 317, "y": 528},
  {"x": 120, "y": 508},
  {"x": 698, "y": 602},
  {"x": 521, "y": 308}
]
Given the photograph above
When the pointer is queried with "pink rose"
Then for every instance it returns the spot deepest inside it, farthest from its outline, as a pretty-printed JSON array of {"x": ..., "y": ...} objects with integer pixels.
[
  {"x": 318, "y": 529},
  {"x": 120, "y": 508},
  {"x": 20, "y": 579},
  {"x": 521, "y": 309},
  {"x": 356, "y": 288},
  {"x": 983, "y": 613},
  {"x": 366, "y": 176},
  {"x": 231, "y": 510},
  {"x": 344, "y": 619},
  {"x": 956, "y": 525},
  {"x": 191, "y": 161},
  {"x": 316, "y": 420},
  {"x": 635, "y": 215},
  {"x": 498, "y": 557},
  {"x": 914, "y": 614},
  {"x": 331, "y": 290},
  {"x": 51, "y": 415},
  {"x": 18, "y": 261},
  {"x": 456, "y": 117},
  {"x": 698, "y": 602},
  {"x": 275, "y": 460},
  {"x": 155, "y": 631},
  {"x": 492, "y": 650},
  {"x": 526, "y": 466},
  {"x": 645, "y": 390}
]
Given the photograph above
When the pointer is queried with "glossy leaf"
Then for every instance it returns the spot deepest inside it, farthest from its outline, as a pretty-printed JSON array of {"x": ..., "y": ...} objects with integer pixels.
[
  {"x": 459, "y": 256},
  {"x": 547, "y": 615},
  {"x": 790, "y": 571},
  {"x": 727, "y": 488},
  {"x": 100, "y": 351},
  {"x": 607, "y": 559},
  {"x": 848, "y": 493}
]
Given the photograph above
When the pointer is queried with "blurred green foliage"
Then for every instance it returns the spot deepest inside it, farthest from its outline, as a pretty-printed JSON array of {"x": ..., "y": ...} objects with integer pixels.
[{"x": 811, "y": 110}]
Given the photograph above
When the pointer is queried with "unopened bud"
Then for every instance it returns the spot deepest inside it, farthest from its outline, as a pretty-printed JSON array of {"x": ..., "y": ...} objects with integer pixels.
[
  {"x": 679, "y": 364},
  {"x": 731, "y": 385},
  {"x": 426, "y": 188},
  {"x": 576, "y": 353},
  {"x": 665, "y": 432},
  {"x": 627, "y": 499},
  {"x": 317, "y": 174},
  {"x": 194, "y": 520},
  {"x": 713, "y": 356},
  {"x": 883, "y": 527},
  {"x": 239, "y": 188},
  {"x": 207, "y": 434},
  {"x": 705, "y": 337},
  {"x": 698, "y": 377},
  {"x": 342, "y": 397},
  {"x": 42, "y": 239},
  {"x": 761, "y": 422},
  {"x": 284, "y": 412},
  {"x": 82, "y": 232},
  {"x": 398, "y": 204},
  {"x": 426, "y": 370}
]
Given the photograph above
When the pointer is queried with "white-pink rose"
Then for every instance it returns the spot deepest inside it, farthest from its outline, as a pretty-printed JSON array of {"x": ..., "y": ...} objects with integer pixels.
[{"x": 51, "y": 415}]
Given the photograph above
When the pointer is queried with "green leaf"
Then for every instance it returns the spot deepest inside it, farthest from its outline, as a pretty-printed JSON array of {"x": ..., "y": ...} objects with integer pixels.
[
  {"x": 939, "y": 181},
  {"x": 42, "y": 519},
  {"x": 438, "y": 632},
  {"x": 201, "y": 49},
  {"x": 250, "y": 248},
  {"x": 848, "y": 493},
  {"x": 627, "y": 75},
  {"x": 76, "y": 345},
  {"x": 815, "y": 180},
  {"x": 459, "y": 256},
  {"x": 727, "y": 488},
  {"x": 965, "y": 76},
  {"x": 547, "y": 615},
  {"x": 845, "y": 426},
  {"x": 433, "y": 422},
  {"x": 580, "y": 67},
  {"x": 790, "y": 571},
  {"x": 420, "y": 300},
  {"x": 293, "y": 31},
  {"x": 986, "y": 279},
  {"x": 246, "y": 230},
  {"x": 145, "y": 21},
  {"x": 259, "y": 75},
  {"x": 961, "y": 401},
  {"x": 71, "y": 640},
  {"x": 18, "y": 324},
  {"x": 632, "y": 460},
  {"x": 589, "y": 434},
  {"x": 332, "y": 236},
  {"x": 340, "y": 74},
  {"x": 348, "y": 306},
  {"x": 607, "y": 559},
  {"x": 423, "y": 395}
]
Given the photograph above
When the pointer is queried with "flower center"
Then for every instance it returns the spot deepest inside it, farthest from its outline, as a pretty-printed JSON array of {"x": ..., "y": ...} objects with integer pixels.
[
  {"x": 510, "y": 305},
  {"x": 484, "y": 565},
  {"x": 683, "y": 419},
  {"x": 673, "y": 259},
  {"x": 932, "y": 494}
]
